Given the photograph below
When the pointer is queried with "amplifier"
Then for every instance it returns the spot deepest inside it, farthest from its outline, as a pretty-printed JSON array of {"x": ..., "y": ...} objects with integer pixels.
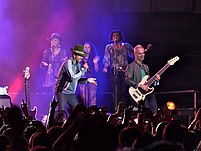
[{"x": 5, "y": 101}]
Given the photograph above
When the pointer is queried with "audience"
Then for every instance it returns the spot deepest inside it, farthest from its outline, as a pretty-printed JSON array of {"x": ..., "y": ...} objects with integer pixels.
[
  {"x": 89, "y": 129},
  {"x": 173, "y": 132}
]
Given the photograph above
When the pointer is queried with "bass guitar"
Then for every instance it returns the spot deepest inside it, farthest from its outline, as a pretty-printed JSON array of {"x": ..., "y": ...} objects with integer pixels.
[
  {"x": 26, "y": 105},
  {"x": 138, "y": 93}
]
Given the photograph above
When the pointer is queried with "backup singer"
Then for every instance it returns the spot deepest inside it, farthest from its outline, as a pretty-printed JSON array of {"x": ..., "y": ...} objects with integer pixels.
[
  {"x": 51, "y": 61},
  {"x": 116, "y": 58},
  {"x": 88, "y": 92}
]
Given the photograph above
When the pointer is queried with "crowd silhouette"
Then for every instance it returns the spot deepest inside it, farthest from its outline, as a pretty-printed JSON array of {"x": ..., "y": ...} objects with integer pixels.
[{"x": 92, "y": 129}]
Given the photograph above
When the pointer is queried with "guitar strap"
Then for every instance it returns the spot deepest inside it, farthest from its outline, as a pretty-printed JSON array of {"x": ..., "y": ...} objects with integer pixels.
[
  {"x": 142, "y": 67},
  {"x": 145, "y": 69}
]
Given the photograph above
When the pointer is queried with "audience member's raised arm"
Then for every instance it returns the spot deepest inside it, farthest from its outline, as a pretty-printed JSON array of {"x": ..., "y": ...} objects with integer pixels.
[
  {"x": 50, "y": 120},
  {"x": 71, "y": 128},
  {"x": 196, "y": 121}
]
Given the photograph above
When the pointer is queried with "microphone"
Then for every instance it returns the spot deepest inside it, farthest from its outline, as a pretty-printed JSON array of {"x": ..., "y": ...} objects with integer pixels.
[
  {"x": 148, "y": 47},
  {"x": 116, "y": 40},
  {"x": 87, "y": 51},
  {"x": 89, "y": 70},
  {"x": 83, "y": 62}
]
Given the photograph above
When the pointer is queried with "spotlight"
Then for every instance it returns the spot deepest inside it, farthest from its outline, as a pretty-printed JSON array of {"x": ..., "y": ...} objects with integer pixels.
[{"x": 170, "y": 105}]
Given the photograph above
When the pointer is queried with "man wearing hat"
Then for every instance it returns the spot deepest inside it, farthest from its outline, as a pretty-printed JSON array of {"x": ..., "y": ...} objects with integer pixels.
[
  {"x": 51, "y": 62},
  {"x": 70, "y": 74}
]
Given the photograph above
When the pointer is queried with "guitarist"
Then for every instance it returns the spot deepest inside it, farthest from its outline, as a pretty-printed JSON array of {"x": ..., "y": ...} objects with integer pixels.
[{"x": 133, "y": 76}]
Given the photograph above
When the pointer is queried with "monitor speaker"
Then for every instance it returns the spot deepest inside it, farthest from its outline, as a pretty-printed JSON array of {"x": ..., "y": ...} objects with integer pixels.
[{"x": 5, "y": 101}]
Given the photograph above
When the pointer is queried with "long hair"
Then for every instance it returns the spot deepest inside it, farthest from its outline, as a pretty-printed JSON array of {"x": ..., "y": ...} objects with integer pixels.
[
  {"x": 92, "y": 54},
  {"x": 93, "y": 49}
]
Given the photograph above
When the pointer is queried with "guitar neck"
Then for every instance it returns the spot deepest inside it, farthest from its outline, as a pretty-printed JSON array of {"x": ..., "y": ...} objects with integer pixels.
[
  {"x": 27, "y": 94},
  {"x": 152, "y": 79}
]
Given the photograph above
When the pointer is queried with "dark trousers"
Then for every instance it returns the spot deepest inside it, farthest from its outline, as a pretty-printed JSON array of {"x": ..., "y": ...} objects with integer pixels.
[
  {"x": 119, "y": 87},
  {"x": 151, "y": 103},
  {"x": 66, "y": 102}
]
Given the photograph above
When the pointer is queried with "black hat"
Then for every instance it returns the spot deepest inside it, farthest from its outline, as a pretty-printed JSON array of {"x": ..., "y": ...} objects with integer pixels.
[{"x": 55, "y": 35}]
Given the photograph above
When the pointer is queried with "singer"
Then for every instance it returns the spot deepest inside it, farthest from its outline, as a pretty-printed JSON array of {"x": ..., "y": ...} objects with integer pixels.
[
  {"x": 118, "y": 55},
  {"x": 70, "y": 74},
  {"x": 88, "y": 92}
]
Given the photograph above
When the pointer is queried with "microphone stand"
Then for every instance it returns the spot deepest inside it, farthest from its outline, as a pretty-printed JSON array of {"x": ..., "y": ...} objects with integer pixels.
[{"x": 115, "y": 72}]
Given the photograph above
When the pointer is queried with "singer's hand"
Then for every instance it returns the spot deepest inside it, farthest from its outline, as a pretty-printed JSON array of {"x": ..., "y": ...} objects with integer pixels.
[
  {"x": 105, "y": 70},
  {"x": 92, "y": 80},
  {"x": 96, "y": 59},
  {"x": 85, "y": 65},
  {"x": 45, "y": 63}
]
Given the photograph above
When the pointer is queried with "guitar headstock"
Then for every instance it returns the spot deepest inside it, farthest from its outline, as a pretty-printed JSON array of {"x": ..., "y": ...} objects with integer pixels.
[
  {"x": 27, "y": 73},
  {"x": 148, "y": 47},
  {"x": 173, "y": 60}
]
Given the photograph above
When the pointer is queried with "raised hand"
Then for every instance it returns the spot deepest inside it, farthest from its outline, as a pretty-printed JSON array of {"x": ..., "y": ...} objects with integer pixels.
[
  {"x": 53, "y": 103},
  {"x": 198, "y": 115},
  {"x": 96, "y": 59},
  {"x": 105, "y": 70}
]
